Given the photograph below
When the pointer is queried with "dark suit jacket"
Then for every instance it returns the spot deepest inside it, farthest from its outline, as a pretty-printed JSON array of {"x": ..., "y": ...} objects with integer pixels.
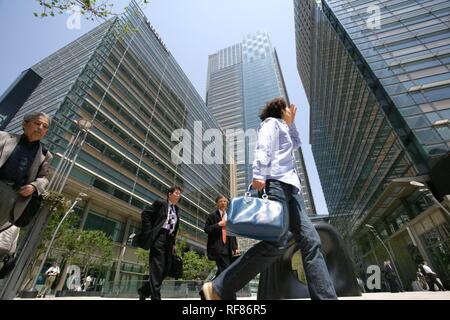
[
  {"x": 388, "y": 272},
  {"x": 215, "y": 246},
  {"x": 153, "y": 218}
]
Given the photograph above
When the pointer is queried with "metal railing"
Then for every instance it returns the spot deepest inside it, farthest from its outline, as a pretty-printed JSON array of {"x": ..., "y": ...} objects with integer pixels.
[{"x": 170, "y": 289}]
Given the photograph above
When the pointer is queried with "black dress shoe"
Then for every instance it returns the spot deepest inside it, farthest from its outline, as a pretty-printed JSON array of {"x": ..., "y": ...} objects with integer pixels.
[{"x": 141, "y": 294}]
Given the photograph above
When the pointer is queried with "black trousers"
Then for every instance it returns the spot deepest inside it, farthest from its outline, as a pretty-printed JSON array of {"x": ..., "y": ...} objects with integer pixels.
[
  {"x": 222, "y": 262},
  {"x": 432, "y": 279},
  {"x": 160, "y": 258}
]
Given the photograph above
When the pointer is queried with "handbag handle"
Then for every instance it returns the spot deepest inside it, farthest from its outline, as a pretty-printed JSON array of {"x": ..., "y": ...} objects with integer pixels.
[{"x": 249, "y": 195}]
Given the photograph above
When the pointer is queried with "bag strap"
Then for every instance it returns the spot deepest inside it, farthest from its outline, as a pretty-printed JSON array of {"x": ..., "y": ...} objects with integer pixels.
[{"x": 248, "y": 193}]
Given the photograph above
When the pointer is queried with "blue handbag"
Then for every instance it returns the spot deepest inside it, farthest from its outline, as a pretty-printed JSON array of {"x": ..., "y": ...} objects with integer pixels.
[{"x": 260, "y": 219}]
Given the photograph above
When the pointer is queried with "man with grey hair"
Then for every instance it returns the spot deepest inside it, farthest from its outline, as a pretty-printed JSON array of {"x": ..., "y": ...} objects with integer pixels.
[{"x": 23, "y": 166}]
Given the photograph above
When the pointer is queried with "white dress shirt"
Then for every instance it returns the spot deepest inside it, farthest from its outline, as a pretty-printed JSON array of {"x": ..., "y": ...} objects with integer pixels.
[{"x": 274, "y": 157}]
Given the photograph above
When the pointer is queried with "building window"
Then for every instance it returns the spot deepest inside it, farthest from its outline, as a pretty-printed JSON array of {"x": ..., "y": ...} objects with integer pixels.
[{"x": 110, "y": 227}]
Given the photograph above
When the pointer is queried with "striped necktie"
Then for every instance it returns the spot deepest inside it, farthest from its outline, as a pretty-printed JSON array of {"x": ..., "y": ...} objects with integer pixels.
[{"x": 172, "y": 216}]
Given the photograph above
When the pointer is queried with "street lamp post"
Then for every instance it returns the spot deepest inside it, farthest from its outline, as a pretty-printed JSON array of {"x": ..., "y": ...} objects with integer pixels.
[
  {"x": 427, "y": 192},
  {"x": 70, "y": 155},
  {"x": 129, "y": 241},
  {"x": 77, "y": 199},
  {"x": 375, "y": 233}
]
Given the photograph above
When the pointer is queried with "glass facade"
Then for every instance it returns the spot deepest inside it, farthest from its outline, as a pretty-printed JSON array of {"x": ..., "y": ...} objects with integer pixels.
[
  {"x": 225, "y": 100},
  {"x": 410, "y": 55},
  {"x": 262, "y": 82},
  {"x": 351, "y": 74},
  {"x": 307, "y": 197},
  {"x": 376, "y": 74}
]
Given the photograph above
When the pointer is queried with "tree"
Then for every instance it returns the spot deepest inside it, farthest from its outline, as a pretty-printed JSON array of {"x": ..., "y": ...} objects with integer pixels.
[
  {"x": 85, "y": 248},
  {"x": 96, "y": 249},
  {"x": 90, "y": 9},
  {"x": 72, "y": 245},
  {"x": 143, "y": 258},
  {"x": 196, "y": 266},
  {"x": 57, "y": 205}
]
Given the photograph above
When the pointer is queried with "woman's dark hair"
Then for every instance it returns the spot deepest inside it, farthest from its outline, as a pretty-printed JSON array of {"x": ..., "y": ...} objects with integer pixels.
[{"x": 273, "y": 109}]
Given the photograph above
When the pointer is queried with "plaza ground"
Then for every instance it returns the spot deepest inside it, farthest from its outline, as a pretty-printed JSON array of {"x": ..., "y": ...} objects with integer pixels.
[{"x": 412, "y": 295}]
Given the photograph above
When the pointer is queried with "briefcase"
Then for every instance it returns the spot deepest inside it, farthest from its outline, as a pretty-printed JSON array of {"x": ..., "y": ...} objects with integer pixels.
[
  {"x": 176, "y": 268},
  {"x": 255, "y": 218}
]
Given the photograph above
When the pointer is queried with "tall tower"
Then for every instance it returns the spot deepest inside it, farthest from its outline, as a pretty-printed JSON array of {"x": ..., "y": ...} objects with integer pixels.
[
  {"x": 377, "y": 77},
  {"x": 241, "y": 79}
]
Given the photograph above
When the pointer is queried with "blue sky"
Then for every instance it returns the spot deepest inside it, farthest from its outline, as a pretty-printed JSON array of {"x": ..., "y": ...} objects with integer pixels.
[{"x": 191, "y": 30}]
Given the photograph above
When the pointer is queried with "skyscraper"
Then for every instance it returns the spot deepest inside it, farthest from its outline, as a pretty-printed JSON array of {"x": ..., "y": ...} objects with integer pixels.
[
  {"x": 241, "y": 79},
  {"x": 377, "y": 78},
  {"x": 122, "y": 77}
]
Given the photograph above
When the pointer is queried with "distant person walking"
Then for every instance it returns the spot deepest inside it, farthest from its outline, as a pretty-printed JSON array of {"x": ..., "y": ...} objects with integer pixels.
[
  {"x": 431, "y": 277},
  {"x": 391, "y": 277},
  {"x": 51, "y": 275},
  {"x": 160, "y": 222}
]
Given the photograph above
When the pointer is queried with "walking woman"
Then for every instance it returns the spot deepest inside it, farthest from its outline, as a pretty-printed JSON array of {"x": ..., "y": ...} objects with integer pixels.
[{"x": 274, "y": 170}]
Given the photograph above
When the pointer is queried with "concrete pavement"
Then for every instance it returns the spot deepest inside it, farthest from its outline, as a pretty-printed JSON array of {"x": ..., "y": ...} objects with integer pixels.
[{"x": 411, "y": 295}]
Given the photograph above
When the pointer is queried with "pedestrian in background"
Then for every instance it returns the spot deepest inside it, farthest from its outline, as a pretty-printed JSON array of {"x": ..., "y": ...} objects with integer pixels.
[
  {"x": 431, "y": 277},
  {"x": 160, "y": 223},
  {"x": 391, "y": 277},
  {"x": 220, "y": 247},
  {"x": 50, "y": 275}
]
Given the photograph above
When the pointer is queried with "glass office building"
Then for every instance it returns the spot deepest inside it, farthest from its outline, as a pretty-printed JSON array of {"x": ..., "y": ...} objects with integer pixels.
[
  {"x": 376, "y": 74},
  {"x": 307, "y": 198},
  {"x": 241, "y": 79},
  {"x": 122, "y": 77}
]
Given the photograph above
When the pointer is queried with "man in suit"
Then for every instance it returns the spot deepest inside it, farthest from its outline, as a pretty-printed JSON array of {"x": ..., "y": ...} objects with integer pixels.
[
  {"x": 160, "y": 223},
  {"x": 221, "y": 248},
  {"x": 23, "y": 166},
  {"x": 391, "y": 277}
]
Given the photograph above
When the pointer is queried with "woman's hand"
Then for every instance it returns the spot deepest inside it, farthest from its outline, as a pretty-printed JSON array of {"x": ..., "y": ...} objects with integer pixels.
[
  {"x": 258, "y": 184},
  {"x": 289, "y": 114}
]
